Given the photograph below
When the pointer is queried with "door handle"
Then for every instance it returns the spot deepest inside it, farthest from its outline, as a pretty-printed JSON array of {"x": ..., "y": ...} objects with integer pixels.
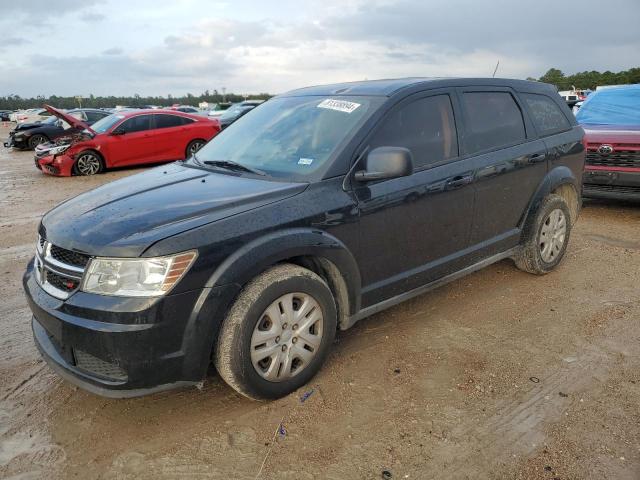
[
  {"x": 537, "y": 157},
  {"x": 459, "y": 181}
]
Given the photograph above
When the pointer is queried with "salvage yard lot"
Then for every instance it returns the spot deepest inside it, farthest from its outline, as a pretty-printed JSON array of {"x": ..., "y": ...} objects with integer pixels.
[{"x": 498, "y": 375}]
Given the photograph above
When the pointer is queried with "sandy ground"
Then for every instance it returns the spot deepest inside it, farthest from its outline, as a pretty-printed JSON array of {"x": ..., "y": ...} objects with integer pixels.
[{"x": 499, "y": 375}]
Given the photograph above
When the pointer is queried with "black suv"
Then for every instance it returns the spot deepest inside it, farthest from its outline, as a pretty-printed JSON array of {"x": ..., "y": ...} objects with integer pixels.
[{"x": 315, "y": 210}]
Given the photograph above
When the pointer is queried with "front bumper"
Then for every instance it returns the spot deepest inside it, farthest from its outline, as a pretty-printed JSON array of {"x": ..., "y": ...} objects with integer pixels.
[
  {"x": 611, "y": 183},
  {"x": 123, "y": 347},
  {"x": 58, "y": 165}
]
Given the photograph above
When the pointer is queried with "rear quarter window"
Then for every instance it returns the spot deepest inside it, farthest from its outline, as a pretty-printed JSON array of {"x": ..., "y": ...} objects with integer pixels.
[
  {"x": 546, "y": 114},
  {"x": 493, "y": 120}
]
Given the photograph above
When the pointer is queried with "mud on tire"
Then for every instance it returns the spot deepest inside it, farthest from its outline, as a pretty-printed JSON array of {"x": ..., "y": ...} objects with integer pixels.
[
  {"x": 236, "y": 340},
  {"x": 534, "y": 255}
]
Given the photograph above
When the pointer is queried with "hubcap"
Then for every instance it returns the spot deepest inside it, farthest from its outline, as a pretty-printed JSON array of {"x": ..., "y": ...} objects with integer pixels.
[
  {"x": 278, "y": 350},
  {"x": 552, "y": 235},
  {"x": 88, "y": 164}
]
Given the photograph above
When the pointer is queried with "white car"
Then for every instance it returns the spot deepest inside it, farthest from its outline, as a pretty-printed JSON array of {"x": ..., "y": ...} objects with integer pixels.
[{"x": 33, "y": 115}]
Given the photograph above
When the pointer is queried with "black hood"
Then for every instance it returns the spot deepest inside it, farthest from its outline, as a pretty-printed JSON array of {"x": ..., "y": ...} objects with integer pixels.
[{"x": 125, "y": 217}]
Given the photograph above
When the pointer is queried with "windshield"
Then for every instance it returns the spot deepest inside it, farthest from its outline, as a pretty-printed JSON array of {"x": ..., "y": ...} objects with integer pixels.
[
  {"x": 290, "y": 137},
  {"x": 615, "y": 106},
  {"x": 106, "y": 123},
  {"x": 233, "y": 111}
]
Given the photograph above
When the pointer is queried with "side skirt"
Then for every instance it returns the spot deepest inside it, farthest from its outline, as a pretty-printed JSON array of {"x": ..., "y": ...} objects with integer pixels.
[{"x": 390, "y": 302}]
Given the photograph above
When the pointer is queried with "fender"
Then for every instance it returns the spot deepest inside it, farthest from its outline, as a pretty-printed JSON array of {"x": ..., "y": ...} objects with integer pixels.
[
  {"x": 555, "y": 178},
  {"x": 259, "y": 254}
]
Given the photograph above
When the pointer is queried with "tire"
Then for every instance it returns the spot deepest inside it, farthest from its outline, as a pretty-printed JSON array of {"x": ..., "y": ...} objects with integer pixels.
[
  {"x": 88, "y": 163},
  {"x": 37, "y": 140},
  {"x": 290, "y": 356},
  {"x": 194, "y": 146},
  {"x": 546, "y": 236}
]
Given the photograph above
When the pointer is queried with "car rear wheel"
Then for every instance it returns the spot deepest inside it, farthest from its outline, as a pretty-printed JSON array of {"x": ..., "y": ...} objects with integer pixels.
[
  {"x": 88, "y": 163},
  {"x": 546, "y": 236},
  {"x": 277, "y": 334},
  {"x": 194, "y": 146},
  {"x": 36, "y": 140}
]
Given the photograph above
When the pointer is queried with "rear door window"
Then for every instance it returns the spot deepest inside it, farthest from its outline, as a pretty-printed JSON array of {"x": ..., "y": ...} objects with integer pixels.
[
  {"x": 425, "y": 126},
  {"x": 168, "y": 121},
  {"x": 95, "y": 116},
  {"x": 546, "y": 114},
  {"x": 493, "y": 120},
  {"x": 137, "y": 124}
]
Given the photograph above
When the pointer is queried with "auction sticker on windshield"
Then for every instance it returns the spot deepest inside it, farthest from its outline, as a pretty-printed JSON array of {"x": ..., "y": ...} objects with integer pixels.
[{"x": 339, "y": 105}]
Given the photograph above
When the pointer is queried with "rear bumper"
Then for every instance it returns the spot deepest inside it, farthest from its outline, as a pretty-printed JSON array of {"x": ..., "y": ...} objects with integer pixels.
[
  {"x": 126, "y": 347},
  {"x": 621, "y": 184}
]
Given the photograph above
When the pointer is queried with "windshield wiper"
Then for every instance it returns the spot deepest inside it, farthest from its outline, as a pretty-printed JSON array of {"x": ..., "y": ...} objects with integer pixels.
[{"x": 230, "y": 165}]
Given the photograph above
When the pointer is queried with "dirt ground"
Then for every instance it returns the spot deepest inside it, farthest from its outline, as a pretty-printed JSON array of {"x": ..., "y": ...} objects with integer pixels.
[{"x": 498, "y": 375}]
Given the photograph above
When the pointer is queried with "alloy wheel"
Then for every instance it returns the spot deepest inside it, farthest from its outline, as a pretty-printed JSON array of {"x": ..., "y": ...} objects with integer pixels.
[
  {"x": 195, "y": 146},
  {"x": 552, "y": 235},
  {"x": 287, "y": 336},
  {"x": 88, "y": 164}
]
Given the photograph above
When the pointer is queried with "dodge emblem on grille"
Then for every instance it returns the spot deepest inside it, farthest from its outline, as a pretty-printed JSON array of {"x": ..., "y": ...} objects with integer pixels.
[{"x": 605, "y": 149}]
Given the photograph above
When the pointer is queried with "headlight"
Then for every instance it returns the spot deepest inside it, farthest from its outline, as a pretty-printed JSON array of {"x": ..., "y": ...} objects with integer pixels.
[
  {"x": 59, "y": 149},
  {"x": 136, "y": 277}
]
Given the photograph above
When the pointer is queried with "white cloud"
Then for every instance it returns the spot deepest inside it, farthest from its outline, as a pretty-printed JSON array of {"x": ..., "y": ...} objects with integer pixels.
[{"x": 246, "y": 46}]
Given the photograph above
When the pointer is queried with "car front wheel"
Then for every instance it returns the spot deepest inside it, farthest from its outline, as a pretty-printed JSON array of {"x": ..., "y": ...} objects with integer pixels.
[
  {"x": 277, "y": 334},
  {"x": 36, "y": 140},
  {"x": 88, "y": 163}
]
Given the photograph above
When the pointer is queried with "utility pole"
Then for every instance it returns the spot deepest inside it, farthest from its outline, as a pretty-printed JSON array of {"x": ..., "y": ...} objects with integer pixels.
[
  {"x": 224, "y": 94},
  {"x": 79, "y": 99}
]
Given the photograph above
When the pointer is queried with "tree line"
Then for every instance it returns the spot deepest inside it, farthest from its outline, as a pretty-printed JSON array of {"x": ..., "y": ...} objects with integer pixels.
[
  {"x": 589, "y": 80},
  {"x": 581, "y": 80},
  {"x": 16, "y": 102}
]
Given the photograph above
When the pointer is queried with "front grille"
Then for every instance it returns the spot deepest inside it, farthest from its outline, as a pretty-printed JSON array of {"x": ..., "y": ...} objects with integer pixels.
[
  {"x": 57, "y": 270},
  {"x": 51, "y": 169},
  {"x": 592, "y": 187},
  {"x": 98, "y": 367},
  {"x": 69, "y": 257},
  {"x": 617, "y": 158},
  {"x": 61, "y": 282}
]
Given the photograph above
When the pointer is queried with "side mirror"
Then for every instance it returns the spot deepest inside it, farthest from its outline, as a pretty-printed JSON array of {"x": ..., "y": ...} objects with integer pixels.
[
  {"x": 386, "y": 162},
  {"x": 118, "y": 131}
]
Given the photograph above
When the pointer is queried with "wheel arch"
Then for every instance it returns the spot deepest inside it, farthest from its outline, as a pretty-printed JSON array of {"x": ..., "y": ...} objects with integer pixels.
[
  {"x": 315, "y": 250},
  {"x": 561, "y": 181}
]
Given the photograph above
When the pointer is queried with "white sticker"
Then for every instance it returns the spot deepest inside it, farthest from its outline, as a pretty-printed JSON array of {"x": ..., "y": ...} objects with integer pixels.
[
  {"x": 305, "y": 161},
  {"x": 339, "y": 105}
]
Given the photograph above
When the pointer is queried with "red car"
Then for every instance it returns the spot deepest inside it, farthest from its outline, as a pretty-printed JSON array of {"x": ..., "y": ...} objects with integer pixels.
[
  {"x": 611, "y": 122},
  {"x": 124, "y": 139}
]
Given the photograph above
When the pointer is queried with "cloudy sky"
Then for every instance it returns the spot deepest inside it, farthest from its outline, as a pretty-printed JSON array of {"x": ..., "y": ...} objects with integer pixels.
[{"x": 157, "y": 47}]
